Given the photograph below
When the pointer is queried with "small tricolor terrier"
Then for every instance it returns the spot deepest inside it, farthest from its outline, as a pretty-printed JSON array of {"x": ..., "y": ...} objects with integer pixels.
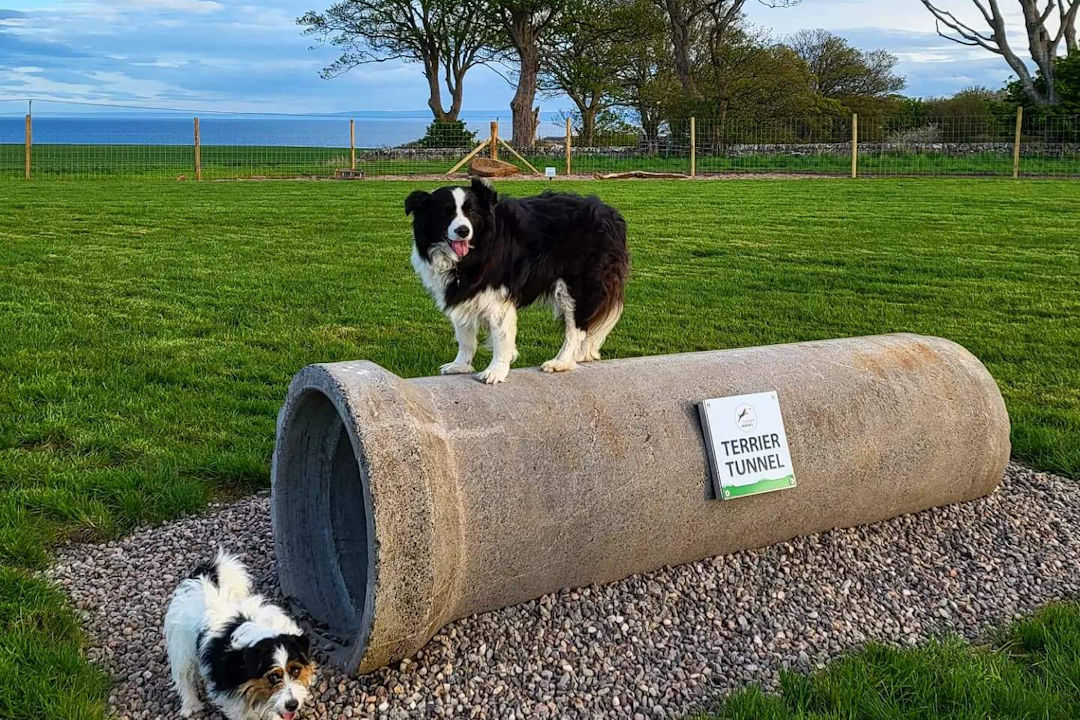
[{"x": 253, "y": 660}]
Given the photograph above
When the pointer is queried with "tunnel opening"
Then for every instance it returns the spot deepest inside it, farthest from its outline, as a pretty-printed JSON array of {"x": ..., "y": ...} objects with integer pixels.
[{"x": 324, "y": 527}]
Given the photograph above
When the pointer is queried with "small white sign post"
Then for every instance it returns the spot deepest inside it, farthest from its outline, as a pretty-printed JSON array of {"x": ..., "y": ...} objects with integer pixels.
[
  {"x": 748, "y": 448},
  {"x": 549, "y": 172}
]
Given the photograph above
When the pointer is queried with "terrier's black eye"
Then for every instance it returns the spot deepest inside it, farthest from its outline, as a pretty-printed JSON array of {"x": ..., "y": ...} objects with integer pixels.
[
  {"x": 274, "y": 678},
  {"x": 294, "y": 671}
]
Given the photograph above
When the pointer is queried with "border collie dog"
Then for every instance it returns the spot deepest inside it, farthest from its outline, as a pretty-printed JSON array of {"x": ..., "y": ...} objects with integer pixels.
[
  {"x": 253, "y": 660},
  {"x": 482, "y": 258}
]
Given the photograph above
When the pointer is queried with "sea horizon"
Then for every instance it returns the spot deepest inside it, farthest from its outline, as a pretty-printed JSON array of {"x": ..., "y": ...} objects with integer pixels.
[{"x": 373, "y": 129}]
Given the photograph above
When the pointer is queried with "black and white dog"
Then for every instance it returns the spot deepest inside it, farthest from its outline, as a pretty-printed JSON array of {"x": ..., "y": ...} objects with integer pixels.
[
  {"x": 252, "y": 659},
  {"x": 482, "y": 258}
]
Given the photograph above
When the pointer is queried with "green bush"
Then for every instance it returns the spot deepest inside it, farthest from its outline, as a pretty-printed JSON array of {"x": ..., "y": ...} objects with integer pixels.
[{"x": 447, "y": 134}]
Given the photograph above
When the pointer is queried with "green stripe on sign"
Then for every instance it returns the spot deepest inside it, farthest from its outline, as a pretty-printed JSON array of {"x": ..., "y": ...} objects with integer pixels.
[{"x": 760, "y": 487}]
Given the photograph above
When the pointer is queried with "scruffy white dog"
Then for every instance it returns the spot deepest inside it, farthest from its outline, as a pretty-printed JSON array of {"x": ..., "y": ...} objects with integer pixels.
[{"x": 253, "y": 660}]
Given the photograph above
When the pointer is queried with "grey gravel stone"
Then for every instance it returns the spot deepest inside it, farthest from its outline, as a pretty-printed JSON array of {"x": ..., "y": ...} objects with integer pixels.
[{"x": 656, "y": 645}]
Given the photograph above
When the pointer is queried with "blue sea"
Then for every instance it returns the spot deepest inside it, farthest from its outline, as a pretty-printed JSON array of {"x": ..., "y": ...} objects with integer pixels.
[{"x": 292, "y": 131}]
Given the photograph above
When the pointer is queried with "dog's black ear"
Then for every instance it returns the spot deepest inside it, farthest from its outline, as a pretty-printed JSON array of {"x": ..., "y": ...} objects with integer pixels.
[
  {"x": 484, "y": 193},
  {"x": 253, "y": 661},
  {"x": 304, "y": 643},
  {"x": 415, "y": 200}
]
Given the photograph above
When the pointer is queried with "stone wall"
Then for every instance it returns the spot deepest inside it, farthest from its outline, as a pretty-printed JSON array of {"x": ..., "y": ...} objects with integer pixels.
[{"x": 556, "y": 151}]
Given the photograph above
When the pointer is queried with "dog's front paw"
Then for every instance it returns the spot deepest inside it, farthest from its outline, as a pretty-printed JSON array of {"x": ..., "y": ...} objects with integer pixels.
[
  {"x": 554, "y": 366},
  {"x": 455, "y": 368},
  {"x": 493, "y": 374},
  {"x": 188, "y": 711}
]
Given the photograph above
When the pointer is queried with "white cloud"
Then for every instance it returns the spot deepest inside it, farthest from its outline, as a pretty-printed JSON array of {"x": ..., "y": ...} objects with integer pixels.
[
  {"x": 123, "y": 84},
  {"x": 19, "y": 81},
  {"x": 187, "y": 6},
  {"x": 927, "y": 56},
  {"x": 91, "y": 86}
]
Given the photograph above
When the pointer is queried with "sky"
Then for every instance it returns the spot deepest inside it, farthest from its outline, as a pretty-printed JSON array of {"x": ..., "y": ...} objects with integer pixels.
[{"x": 248, "y": 56}]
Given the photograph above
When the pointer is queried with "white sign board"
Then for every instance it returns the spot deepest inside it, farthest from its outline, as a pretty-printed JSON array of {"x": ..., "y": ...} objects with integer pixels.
[
  {"x": 748, "y": 448},
  {"x": 549, "y": 171}
]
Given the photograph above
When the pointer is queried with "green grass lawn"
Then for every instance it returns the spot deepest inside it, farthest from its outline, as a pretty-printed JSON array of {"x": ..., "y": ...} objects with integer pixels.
[
  {"x": 149, "y": 331},
  {"x": 1032, "y": 671}
]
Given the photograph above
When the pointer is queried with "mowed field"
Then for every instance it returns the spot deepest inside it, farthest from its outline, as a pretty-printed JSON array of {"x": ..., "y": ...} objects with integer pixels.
[{"x": 149, "y": 331}]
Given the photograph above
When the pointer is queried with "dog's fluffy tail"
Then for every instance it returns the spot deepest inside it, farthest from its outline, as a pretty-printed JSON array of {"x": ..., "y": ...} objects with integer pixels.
[
  {"x": 208, "y": 597},
  {"x": 613, "y": 262},
  {"x": 225, "y": 578}
]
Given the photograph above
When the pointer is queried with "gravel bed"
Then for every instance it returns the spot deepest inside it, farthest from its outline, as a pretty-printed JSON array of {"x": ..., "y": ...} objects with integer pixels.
[{"x": 656, "y": 645}]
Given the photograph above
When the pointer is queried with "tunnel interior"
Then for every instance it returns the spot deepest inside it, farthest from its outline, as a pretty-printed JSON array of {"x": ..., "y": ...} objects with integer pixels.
[{"x": 323, "y": 513}]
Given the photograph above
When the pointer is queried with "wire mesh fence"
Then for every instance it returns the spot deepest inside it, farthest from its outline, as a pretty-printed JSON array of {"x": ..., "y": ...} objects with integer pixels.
[
  {"x": 164, "y": 144},
  {"x": 955, "y": 145},
  {"x": 1050, "y": 146},
  {"x": 821, "y": 146}
]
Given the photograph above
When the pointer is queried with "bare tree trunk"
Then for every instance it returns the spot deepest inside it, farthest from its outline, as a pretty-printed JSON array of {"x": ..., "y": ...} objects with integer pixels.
[
  {"x": 588, "y": 123},
  {"x": 588, "y": 127},
  {"x": 1041, "y": 46},
  {"x": 524, "y": 127},
  {"x": 723, "y": 129},
  {"x": 523, "y": 35},
  {"x": 650, "y": 127},
  {"x": 455, "y": 107},
  {"x": 1068, "y": 26},
  {"x": 455, "y": 83},
  {"x": 434, "y": 91},
  {"x": 680, "y": 45}
]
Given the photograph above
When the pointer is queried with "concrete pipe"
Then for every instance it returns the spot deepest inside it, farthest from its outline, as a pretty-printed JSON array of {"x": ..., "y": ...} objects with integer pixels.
[{"x": 400, "y": 505}]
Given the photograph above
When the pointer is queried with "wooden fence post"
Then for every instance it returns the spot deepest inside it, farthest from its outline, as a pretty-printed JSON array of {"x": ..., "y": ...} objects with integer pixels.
[
  {"x": 494, "y": 139},
  {"x": 1016, "y": 141},
  {"x": 29, "y": 143},
  {"x": 198, "y": 152},
  {"x": 569, "y": 135},
  {"x": 854, "y": 145},
  {"x": 352, "y": 144},
  {"x": 693, "y": 147}
]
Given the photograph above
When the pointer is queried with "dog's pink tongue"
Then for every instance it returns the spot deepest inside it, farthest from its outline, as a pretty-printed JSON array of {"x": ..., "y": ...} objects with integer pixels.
[
  {"x": 288, "y": 716},
  {"x": 461, "y": 247}
]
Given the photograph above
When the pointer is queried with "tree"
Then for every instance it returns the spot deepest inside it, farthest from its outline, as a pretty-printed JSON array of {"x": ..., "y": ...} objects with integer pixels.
[
  {"x": 610, "y": 127},
  {"x": 752, "y": 84},
  {"x": 971, "y": 102},
  {"x": 1042, "y": 42},
  {"x": 583, "y": 57},
  {"x": 1066, "y": 86},
  {"x": 648, "y": 82},
  {"x": 686, "y": 17},
  {"x": 447, "y": 38},
  {"x": 974, "y": 114},
  {"x": 1067, "y": 79},
  {"x": 844, "y": 73},
  {"x": 526, "y": 24}
]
